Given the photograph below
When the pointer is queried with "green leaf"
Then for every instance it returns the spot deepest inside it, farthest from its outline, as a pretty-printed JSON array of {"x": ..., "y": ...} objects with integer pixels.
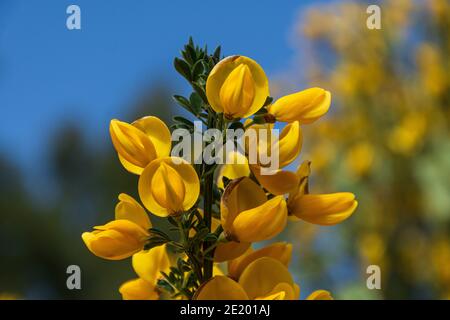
[
  {"x": 268, "y": 101},
  {"x": 156, "y": 238},
  {"x": 201, "y": 91},
  {"x": 216, "y": 54},
  {"x": 197, "y": 69},
  {"x": 196, "y": 103},
  {"x": 183, "y": 68},
  {"x": 236, "y": 125}
]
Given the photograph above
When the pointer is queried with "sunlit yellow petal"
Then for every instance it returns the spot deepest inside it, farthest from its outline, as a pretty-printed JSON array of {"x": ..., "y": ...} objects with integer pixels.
[
  {"x": 220, "y": 288},
  {"x": 237, "y": 86},
  {"x": 138, "y": 289},
  {"x": 261, "y": 223},
  {"x": 130, "y": 209},
  {"x": 290, "y": 143},
  {"x": 280, "y": 251},
  {"x": 305, "y": 106},
  {"x": 278, "y": 182},
  {"x": 131, "y": 143},
  {"x": 262, "y": 276},
  {"x": 148, "y": 264},
  {"x": 320, "y": 295},
  {"x": 324, "y": 209},
  {"x": 158, "y": 132},
  {"x": 168, "y": 186},
  {"x": 116, "y": 240},
  {"x": 240, "y": 195},
  {"x": 230, "y": 250},
  {"x": 235, "y": 167}
]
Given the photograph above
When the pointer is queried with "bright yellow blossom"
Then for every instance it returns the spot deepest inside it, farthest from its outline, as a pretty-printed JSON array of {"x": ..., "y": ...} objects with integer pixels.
[
  {"x": 280, "y": 251},
  {"x": 169, "y": 186},
  {"x": 247, "y": 215},
  {"x": 116, "y": 240},
  {"x": 148, "y": 266},
  {"x": 139, "y": 143},
  {"x": 237, "y": 86},
  {"x": 263, "y": 279},
  {"x": 121, "y": 238}
]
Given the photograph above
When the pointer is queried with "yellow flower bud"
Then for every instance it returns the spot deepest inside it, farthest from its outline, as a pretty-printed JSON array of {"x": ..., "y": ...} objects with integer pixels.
[
  {"x": 116, "y": 240},
  {"x": 168, "y": 186},
  {"x": 305, "y": 106},
  {"x": 323, "y": 209},
  {"x": 320, "y": 295},
  {"x": 286, "y": 147},
  {"x": 237, "y": 86},
  {"x": 139, "y": 143},
  {"x": 280, "y": 251},
  {"x": 247, "y": 215}
]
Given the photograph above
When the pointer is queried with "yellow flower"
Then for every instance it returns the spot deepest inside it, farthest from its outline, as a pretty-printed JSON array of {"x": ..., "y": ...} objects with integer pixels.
[
  {"x": 265, "y": 278},
  {"x": 130, "y": 209},
  {"x": 323, "y": 209},
  {"x": 139, "y": 143},
  {"x": 286, "y": 147},
  {"x": 359, "y": 158},
  {"x": 278, "y": 182},
  {"x": 235, "y": 167},
  {"x": 320, "y": 295},
  {"x": 116, "y": 240},
  {"x": 247, "y": 215},
  {"x": 148, "y": 266},
  {"x": 237, "y": 86},
  {"x": 121, "y": 238},
  {"x": 305, "y": 106},
  {"x": 280, "y": 251},
  {"x": 169, "y": 186},
  {"x": 230, "y": 250}
]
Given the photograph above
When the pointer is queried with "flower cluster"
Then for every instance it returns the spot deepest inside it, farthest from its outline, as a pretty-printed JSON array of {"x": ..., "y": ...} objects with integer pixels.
[{"x": 216, "y": 212}]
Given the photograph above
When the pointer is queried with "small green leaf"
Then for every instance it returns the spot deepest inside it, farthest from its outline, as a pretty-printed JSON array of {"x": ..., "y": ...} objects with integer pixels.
[
  {"x": 183, "y": 68},
  {"x": 201, "y": 91}
]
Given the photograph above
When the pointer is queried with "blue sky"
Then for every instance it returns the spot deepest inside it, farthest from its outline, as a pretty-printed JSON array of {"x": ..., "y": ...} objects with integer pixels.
[{"x": 49, "y": 74}]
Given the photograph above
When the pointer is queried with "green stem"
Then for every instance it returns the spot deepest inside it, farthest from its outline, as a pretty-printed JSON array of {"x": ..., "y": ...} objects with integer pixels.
[{"x": 207, "y": 208}]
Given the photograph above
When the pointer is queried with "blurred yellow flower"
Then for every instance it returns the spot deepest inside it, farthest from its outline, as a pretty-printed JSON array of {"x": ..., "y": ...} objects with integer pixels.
[
  {"x": 359, "y": 158},
  {"x": 406, "y": 137}
]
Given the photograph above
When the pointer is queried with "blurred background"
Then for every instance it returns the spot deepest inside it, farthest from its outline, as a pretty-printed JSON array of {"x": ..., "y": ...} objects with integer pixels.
[{"x": 386, "y": 137}]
